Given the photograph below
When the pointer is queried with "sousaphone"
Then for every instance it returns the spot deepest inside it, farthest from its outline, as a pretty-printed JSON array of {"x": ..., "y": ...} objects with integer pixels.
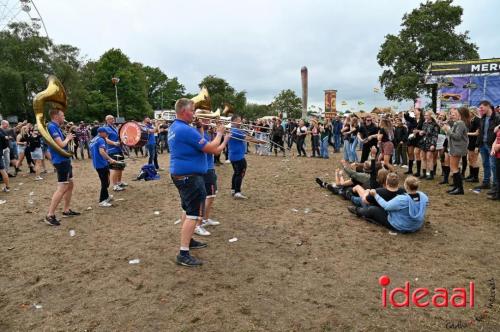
[
  {"x": 202, "y": 100},
  {"x": 56, "y": 95}
]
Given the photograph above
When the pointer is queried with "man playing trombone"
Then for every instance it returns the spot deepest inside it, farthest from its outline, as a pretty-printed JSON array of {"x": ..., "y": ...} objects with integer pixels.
[
  {"x": 188, "y": 164},
  {"x": 237, "y": 149}
]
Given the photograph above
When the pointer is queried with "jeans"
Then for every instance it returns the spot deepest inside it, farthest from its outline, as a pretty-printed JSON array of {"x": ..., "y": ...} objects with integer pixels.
[
  {"x": 300, "y": 145},
  {"x": 153, "y": 157},
  {"x": 337, "y": 142},
  {"x": 104, "y": 177},
  {"x": 82, "y": 146},
  {"x": 315, "y": 145},
  {"x": 353, "y": 157},
  {"x": 400, "y": 157},
  {"x": 347, "y": 148},
  {"x": 6, "y": 158},
  {"x": 324, "y": 148},
  {"x": 376, "y": 215},
  {"x": 239, "y": 168},
  {"x": 489, "y": 164}
]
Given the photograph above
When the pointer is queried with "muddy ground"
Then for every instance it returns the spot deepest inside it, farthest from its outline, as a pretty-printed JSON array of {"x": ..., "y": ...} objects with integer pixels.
[{"x": 288, "y": 271}]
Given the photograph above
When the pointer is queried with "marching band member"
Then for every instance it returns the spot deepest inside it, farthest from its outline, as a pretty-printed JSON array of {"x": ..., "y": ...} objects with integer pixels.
[
  {"x": 63, "y": 168},
  {"x": 237, "y": 149},
  {"x": 101, "y": 161},
  {"x": 188, "y": 164},
  {"x": 210, "y": 179},
  {"x": 114, "y": 150}
]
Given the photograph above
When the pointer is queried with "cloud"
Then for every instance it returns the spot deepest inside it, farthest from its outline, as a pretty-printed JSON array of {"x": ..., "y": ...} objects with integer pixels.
[{"x": 258, "y": 46}]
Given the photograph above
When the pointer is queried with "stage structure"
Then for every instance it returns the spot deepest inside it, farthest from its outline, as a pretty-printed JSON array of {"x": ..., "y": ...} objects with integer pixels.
[{"x": 464, "y": 83}]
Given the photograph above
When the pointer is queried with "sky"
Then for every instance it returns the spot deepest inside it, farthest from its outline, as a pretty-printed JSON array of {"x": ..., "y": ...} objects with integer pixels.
[{"x": 260, "y": 45}]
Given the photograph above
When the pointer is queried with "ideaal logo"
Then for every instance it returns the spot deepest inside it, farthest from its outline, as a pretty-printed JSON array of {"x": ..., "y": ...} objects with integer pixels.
[
  {"x": 440, "y": 297},
  {"x": 423, "y": 297}
]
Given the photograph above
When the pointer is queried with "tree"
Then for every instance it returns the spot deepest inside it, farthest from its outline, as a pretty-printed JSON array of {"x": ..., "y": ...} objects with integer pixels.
[
  {"x": 287, "y": 101},
  {"x": 163, "y": 92},
  {"x": 254, "y": 111},
  {"x": 221, "y": 93},
  {"x": 23, "y": 62},
  {"x": 428, "y": 34}
]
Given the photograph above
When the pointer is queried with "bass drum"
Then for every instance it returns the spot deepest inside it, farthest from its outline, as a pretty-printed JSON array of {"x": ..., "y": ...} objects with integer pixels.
[{"x": 133, "y": 134}]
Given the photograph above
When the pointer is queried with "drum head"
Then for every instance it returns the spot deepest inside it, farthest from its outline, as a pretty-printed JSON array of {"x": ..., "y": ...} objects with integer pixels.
[{"x": 130, "y": 133}]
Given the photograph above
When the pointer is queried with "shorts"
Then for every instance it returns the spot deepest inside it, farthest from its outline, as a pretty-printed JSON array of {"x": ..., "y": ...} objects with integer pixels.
[
  {"x": 210, "y": 183},
  {"x": 20, "y": 149},
  {"x": 387, "y": 148},
  {"x": 64, "y": 171},
  {"x": 118, "y": 157},
  {"x": 13, "y": 151},
  {"x": 2, "y": 165},
  {"x": 37, "y": 154},
  {"x": 192, "y": 192}
]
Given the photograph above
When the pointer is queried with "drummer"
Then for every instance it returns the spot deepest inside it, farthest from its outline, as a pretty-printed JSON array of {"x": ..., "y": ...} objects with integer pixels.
[{"x": 114, "y": 150}]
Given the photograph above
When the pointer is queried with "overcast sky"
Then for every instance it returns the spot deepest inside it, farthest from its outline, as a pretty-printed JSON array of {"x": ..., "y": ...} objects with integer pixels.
[{"x": 258, "y": 45}]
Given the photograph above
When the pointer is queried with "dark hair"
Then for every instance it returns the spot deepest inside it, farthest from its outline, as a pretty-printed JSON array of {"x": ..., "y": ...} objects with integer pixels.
[
  {"x": 235, "y": 116},
  {"x": 465, "y": 115},
  {"x": 486, "y": 103}
]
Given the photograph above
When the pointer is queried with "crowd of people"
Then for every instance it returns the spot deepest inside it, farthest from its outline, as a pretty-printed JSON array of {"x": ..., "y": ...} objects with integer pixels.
[{"x": 373, "y": 146}]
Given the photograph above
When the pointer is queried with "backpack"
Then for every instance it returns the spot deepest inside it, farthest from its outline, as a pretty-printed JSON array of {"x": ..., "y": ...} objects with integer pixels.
[{"x": 148, "y": 173}]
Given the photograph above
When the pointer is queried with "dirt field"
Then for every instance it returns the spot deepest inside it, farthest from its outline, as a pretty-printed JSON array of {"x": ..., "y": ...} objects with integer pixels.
[{"x": 301, "y": 262}]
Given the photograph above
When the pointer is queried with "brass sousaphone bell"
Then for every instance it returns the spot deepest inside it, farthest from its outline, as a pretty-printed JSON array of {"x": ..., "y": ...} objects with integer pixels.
[
  {"x": 202, "y": 100},
  {"x": 228, "y": 110},
  {"x": 55, "y": 94}
]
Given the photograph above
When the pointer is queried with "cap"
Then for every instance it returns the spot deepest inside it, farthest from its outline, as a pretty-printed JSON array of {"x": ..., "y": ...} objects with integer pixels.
[{"x": 102, "y": 130}]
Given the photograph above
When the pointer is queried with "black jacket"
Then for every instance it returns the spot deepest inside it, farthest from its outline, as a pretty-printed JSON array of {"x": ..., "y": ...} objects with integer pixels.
[
  {"x": 494, "y": 121},
  {"x": 400, "y": 135}
]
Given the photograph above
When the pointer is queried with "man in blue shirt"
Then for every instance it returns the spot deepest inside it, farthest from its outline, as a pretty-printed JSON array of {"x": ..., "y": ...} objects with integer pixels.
[
  {"x": 114, "y": 150},
  {"x": 63, "y": 168},
  {"x": 101, "y": 161},
  {"x": 188, "y": 164},
  {"x": 210, "y": 177},
  {"x": 237, "y": 149},
  {"x": 151, "y": 145}
]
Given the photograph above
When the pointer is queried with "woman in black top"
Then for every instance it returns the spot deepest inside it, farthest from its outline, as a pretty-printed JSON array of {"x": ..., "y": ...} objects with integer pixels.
[
  {"x": 301, "y": 137},
  {"x": 414, "y": 126},
  {"x": 472, "y": 155},
  {"x": 429, "y": 134},
  {"x": 385, "y": 137}
]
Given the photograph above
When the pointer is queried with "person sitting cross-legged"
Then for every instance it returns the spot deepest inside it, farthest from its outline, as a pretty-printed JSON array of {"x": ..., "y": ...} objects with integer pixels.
[{"x": 404, "y": 213}]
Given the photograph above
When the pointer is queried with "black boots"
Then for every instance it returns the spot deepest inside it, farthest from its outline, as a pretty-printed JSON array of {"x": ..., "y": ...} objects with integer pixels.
[
  {"x": 419, "y": 165},
  {"x": 446, "y": 174},
  {"x": 457, "y": 179},
  {"x": 424, "y": 171},
  {"x": 410, "y": 167},
  {"x": 474, "y": 175}
]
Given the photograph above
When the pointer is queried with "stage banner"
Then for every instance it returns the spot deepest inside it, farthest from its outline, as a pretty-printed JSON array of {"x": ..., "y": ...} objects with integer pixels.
[
  {"x": 331, "y": 101},
  {"x": 330, "y": 115}
]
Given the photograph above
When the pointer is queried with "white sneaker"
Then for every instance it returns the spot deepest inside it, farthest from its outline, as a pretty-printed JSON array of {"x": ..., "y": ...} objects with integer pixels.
[
  {"x": 239, "y": 196},
  {"x": 123, "y": 184},
  {"x": 199, "y": 230},
  {"x": 105, "y": 204},
  {"x": 109, "y": 199},
  {"x": 227, "y": 162},
  {"x": 404, "y": 166},
  {"x": 210, "y": 222},
  {"x": 38, "y": 178},
  {"x": 118, "y": 188}
]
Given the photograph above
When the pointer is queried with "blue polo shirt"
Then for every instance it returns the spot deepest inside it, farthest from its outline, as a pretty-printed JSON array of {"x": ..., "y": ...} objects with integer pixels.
[
  {"x": 237, "y": 147},
  {"x": 186, "y": 144},
  {"x": 210, "y": 157},
  {"x": 151, "y": 136},
  {"x": 97, "y": 143},
  {"x": 56, "y": 132},
  {"x": 113, "y": 136}
]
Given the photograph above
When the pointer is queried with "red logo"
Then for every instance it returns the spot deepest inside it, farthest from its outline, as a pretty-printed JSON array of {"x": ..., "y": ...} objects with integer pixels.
[{"x": 424, "y": 297}]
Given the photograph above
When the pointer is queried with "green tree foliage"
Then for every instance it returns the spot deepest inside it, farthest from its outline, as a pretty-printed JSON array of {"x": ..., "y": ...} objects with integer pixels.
[
  {"x": 254, "y": 111},
  {"x": 428, "y": 34},
  {"x": 163, "y": 92},
  {"x": 287, "y": 101},
  {"x": 23, "y": 61},
  {"x": 221, "y": 93}
]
